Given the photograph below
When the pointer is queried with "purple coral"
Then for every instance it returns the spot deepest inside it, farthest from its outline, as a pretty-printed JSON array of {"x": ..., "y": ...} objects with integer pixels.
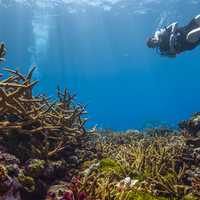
[
  {"x": 69, "y": 195},
  {"x": 11, "y": 189}
]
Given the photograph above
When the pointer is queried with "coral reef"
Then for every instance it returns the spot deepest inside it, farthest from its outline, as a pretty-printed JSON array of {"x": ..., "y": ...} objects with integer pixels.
[
  {"x": 191, "y": 127},
  {"x": 41, "y": 140},
  {"x": 157, "y": 168},
  {"x": 47, "y": 153},
  {"x": 45, "y": 126}
]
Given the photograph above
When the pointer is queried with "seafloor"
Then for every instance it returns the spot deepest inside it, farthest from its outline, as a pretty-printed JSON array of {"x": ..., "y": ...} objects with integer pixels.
[{"x": 46, "y": 153}]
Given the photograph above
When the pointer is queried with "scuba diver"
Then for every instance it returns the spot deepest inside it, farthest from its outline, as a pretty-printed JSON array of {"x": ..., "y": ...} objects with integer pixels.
[
  {"x": 173, "y": 40},
  {"x": 2, "y": 53}
]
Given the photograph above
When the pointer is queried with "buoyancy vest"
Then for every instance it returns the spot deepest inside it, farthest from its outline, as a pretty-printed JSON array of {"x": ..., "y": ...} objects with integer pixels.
[{"x": 181, "y": 43}]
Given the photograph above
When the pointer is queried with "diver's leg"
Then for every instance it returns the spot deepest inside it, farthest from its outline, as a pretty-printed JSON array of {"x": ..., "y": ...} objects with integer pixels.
[
  {"x": 194, "y": 35},
  {"x": 197, "y": 19}
]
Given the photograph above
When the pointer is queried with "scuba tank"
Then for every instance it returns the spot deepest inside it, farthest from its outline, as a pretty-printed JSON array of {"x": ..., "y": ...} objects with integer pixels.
[{"x": 164, "y": 39}]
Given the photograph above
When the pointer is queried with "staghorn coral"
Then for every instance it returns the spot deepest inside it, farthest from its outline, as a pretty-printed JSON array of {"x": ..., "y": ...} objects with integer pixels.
[
  {"x": 151, "y": 167},
  {"x": 154, "y": 167},
  {"x": 41, "y": 140},
  {"x": 196, "y": 186},
  {"x": 44, "y": 141},
  {"x": 45, "y": 126},
  {"x": 171, "y": 184}
]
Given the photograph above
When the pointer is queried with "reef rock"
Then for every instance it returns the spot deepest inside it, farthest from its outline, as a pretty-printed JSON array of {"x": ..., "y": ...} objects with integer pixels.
[
  {"x": 194, "y": 142},
  {"x": 191, "y": 126},
  {"x": 9, "y": 187}
]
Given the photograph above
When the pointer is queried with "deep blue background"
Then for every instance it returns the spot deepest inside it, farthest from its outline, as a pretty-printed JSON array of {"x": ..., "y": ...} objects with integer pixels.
[{"x": 101, "y": 55}]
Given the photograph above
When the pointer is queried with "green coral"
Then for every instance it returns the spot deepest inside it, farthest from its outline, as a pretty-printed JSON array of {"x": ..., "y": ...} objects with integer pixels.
[
  {"x": 88, "y": 163},
  {"x": 35, "y": 168},
  {"x": 109, "y": 166},
  {"x": 137, "y": 195},
  {"x": 27, "y": 182},
  {"x": 190, "y": 197}
]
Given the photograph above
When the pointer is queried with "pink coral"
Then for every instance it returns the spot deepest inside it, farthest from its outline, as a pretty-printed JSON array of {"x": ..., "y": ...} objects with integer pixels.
[
  {"x": 82, "y": 196},
  {"x": 68, "y": 195}
]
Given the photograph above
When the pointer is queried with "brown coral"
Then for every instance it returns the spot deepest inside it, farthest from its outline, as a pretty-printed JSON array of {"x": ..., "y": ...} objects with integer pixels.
[{"x": 58, "y": 122}]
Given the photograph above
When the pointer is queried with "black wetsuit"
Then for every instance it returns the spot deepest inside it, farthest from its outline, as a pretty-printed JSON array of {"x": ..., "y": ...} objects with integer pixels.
[
  {"x": 181, "y": 43},
  {"x": 164, "y": 46}
]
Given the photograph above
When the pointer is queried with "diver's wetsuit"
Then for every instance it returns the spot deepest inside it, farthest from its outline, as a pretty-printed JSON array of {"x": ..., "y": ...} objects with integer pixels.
[{"x": 181, "y": 42}]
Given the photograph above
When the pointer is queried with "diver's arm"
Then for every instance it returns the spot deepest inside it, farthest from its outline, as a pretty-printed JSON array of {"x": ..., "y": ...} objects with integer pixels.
[
  {"x": 156, "y": 35},
  {"x": 172, "y": 28}
]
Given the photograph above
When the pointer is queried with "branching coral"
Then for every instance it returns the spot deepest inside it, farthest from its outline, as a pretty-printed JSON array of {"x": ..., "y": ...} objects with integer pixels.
[
  {"x": 46, "y": 135},
  {"x": 58, "y": 123},
  {"x": 196, "y": 186},
  {"x": 49, "y": 139},
  {"x": 153, "y": 168}
]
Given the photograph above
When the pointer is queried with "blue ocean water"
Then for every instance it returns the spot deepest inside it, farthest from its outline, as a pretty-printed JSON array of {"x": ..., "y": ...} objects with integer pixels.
[{"x": 97, "y": 48}]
